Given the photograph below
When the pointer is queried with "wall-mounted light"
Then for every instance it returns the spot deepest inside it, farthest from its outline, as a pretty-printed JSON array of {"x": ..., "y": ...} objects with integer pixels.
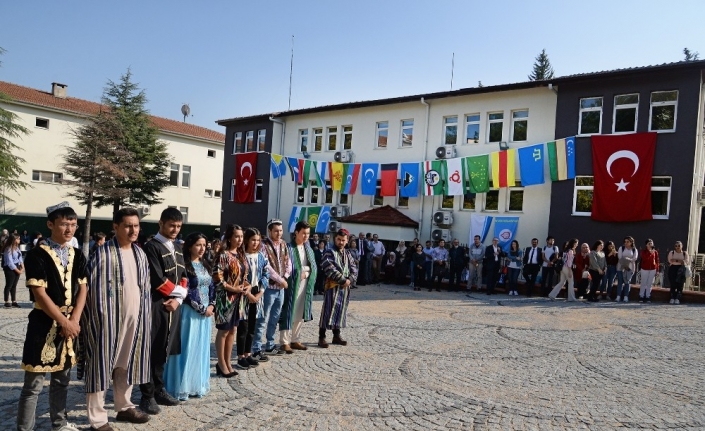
[{"x": 503, "y": 146}]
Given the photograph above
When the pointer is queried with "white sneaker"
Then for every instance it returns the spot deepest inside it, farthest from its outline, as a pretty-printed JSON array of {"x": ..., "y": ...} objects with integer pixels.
[
  {"x": 625, "y": 299},
  {"x": 673, "y": 301},
  {"x": 411, "y": 284},
  {"x": 677, "y": 302},
  {"x": 69, "y": 427}
]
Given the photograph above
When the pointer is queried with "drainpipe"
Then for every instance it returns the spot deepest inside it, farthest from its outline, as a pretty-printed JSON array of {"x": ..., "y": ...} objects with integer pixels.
[
  {"x": 425, "y": 149},
  {"x": 697, "y": 185},
  {"x": 281, "y": 151}
]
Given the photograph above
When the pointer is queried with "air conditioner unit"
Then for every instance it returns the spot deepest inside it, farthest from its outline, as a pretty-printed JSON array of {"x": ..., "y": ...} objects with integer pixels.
[
  {"x": 441, "y": 234},
  {"x": 333, "y": 226},
  {"x": 445, "y": 152},
  {"x": 338, "y": 211},
  {"x": 443, "y": 217},
  {"x": 342, "y": 156}
]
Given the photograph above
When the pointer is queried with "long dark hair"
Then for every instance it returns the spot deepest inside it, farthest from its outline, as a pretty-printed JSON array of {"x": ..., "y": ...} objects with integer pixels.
[
  {"x": 570, "y": 244},
  {"x": 190, "y": 241},
  {"x": 9, "y": 241},
  {"x": 229, "y": 231},
  {"x": 249, "y": 233}
]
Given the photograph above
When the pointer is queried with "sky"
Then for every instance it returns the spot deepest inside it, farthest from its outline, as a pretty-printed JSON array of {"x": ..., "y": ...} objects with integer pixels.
[{"x": 232, "y": 58}]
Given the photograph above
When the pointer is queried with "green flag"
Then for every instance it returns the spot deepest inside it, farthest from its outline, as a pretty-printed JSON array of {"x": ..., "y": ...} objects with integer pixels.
[
  {"x": 433, "y": 177},
  {"x": 307, "y": 171},
  {"x": 477, "y": 173},
  {"x": 312, "y": 214}
]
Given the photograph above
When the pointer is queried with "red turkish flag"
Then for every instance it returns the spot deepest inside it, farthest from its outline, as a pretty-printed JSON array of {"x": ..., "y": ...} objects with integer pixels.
[
  {"x": 622, "y": 165},
  {"x": 245, "y": 177}
]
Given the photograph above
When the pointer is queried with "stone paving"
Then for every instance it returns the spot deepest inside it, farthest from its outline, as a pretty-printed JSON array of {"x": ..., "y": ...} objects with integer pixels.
[{"x": 422, "y": 360}]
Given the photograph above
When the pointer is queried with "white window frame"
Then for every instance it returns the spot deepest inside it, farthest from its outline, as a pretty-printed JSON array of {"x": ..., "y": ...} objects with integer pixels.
[
  {"x": 468, "y": 121},
  {"x": 232, "y": 190},
  {"x": 409, "y": 126},
  {"x": 328, "y": 189},
  {"x": 447, "y": 124},
  {"x": 581, "y": 110},
  {"x": 625, "y": 106},
  {"x": 300, "y": 191},
  {"x": 259, "y": 189},
  {"x": 56, "y": 177},
  {"x": 378, "y": 191},
  {"x": 340, "y": 199},
  {"x": 208, "y": 193},
  {"x": 517, "y": 188},
  {"x": 463, "y": 199},
  {"x": 347, "y": 131},
  {"x": 174, "y": 167},
  {"x": 575, "y": 195},
  {"x": 398, "y": 197},
  {"x": 663, "y": 189},
  {"x": 261, "y": 140},
  {"x": 249, "y": 141},
  {"x": 516, "y": 120},
  {"x": 490, "y": 122},
  {"x": 443, "y": 199},
  {"x": 381, "y": 126},
  {"x": 317, "y": 133},
  {"x": 484, "y": 199},
  {"x": 237, "y": 136},
  {"x": 217, "y": 194},
  {"x": 303, "y": 140},
  {"x": 314, "y": 190},
  {"x": 330, "y": 135},
  {"x": 592, "y": 188},
  {"x": 185, "y": 176},
  {"x": 37, "y": 119},
  {"x": 209, "y": 152},
  {"x": 675, "y": 110},
  {"x": 184, "y": 213}
]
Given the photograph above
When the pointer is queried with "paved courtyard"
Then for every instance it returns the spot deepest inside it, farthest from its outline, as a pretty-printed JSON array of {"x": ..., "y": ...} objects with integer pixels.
[{"x": 421, "y": 360}]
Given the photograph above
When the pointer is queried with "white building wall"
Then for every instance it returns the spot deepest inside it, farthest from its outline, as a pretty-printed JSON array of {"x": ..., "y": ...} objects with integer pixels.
[
  {"x": 43, "y": 150},
  {"x": 540, "y": 102}
]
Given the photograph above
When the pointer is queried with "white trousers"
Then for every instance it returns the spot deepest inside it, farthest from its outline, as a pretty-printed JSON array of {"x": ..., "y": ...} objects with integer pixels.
[
  {"x": 566, "y": 275},
  {"x": 288, "y": 336},
  {"x": 95, "y": 401},
  {"x": 647, "y": 279}
]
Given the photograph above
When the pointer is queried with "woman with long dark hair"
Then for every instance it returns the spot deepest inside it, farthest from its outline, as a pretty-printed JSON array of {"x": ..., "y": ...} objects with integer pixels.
[
  {"x": 566, "y": 271},
  {"x": 258, "y": 280},
  {"x": 515, "y": 256},
  {"x": 677, "y": 258},
  {"x": 597, "y": 268},
  {"x": 628, "y": 255},
  {"x": 13, "y": 267},
  {"x": 188, "y": 373},
  {"x": 611, "y": 261},
  {"x": 229, "y": 276}
]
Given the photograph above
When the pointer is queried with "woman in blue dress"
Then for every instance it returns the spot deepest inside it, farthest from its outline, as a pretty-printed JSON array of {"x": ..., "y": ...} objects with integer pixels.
[{"x": 187, "y": 374}]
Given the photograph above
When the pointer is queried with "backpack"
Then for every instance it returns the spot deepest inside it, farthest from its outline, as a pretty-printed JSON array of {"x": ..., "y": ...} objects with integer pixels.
[{"x": 558, "y": 263}]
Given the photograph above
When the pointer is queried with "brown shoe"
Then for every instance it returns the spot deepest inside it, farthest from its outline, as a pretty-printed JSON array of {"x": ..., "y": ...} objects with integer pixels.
[
  {"x": 286, "y": 348},
  {"x": 339, "y": 341},
  {"x": 322, "y": 343},
  {"x": 298, "y": 346},
  {"x": 105, "y": 427},
  {"x": 133, "y": 416}
]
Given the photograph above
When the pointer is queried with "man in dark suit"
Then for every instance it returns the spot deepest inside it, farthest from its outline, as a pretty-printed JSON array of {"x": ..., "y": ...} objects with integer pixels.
[
  {"x": 532, "y": 264},
  {"x": 493, "y": 260}
]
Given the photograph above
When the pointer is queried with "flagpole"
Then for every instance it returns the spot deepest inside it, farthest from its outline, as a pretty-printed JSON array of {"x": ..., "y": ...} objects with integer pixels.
[
  {"x": 452, "y": 70},
  {"x": 291, "y": 69}
]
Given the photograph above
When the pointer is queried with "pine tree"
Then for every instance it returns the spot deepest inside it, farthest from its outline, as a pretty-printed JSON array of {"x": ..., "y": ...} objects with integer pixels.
[
  {"x": 10, "y": 162},
  {"x": 139, "y": 136},
  {"x": 542, "y": 68},
  {"x": 690, "y": 55}
]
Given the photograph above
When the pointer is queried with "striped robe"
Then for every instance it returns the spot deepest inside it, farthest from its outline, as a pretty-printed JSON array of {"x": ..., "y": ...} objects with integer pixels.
[
  {"x": 338, "y": 265},
  {"x": 102, "y": 319},
  {"x": 286, "y": 318},
  {"x": 263, "y": 271}
]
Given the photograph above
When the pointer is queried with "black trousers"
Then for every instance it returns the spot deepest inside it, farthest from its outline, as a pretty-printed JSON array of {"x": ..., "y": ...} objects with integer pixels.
[
  {"x": 437, "y": 273},
  {"x": 163, "y": 339},
  {"x": 454, "y": 276},
  {"x": 246, "y": 331},
  {"x": 361, "y": 274},
  {"x": 492, "y": 276},
  {"x": 11, "y": 279},
  {"x": 531, "y": 271},
  {"x": 419, "y": 277},
  {"x": 547, "y": 273},
  {"x": 322, "y": 332}
]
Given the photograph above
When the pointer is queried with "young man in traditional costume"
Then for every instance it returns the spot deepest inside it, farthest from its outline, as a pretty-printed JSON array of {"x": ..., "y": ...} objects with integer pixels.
[
  {"x": 277, "y": 252},
  {"x": 168, "y": 279},
  {"x": 299, "y": 295},
  {"x": 57, "y": 275},
  {"x": 341, "y": 273}
]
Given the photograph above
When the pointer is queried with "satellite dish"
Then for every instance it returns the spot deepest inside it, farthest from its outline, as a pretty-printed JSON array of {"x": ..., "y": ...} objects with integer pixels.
[{"x": 185, "y": 110}]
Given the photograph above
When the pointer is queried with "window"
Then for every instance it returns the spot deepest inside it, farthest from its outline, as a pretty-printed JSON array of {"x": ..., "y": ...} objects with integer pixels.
[
  {"x": 343, "y": 199},
  {"x": 492, "y": 199},
  {"x": 184, "y": 212},
  {"x": 472, "y": 128},
  {"x": 174, "y": 175},
  {"x": 377, "y": 199},
  {"x": 250, "y": 141},
  {"x": 185, "y": 176},
  {"x": 407, "y": 133},
  {"x": 447, "y": 202},
  {"x": 217, "y": 194},
  {"x": 313, "y": 196},
  {"x": 495, "y": 126},
  {"x": 42, "y": 123},
  {"x": 261, "y": 138},
  {"x": 402, "y": 202},
  {"x": 660, "y": 196},
  {"x": 663, "y": 111},
  {"x": 328, "y": 196},
  {"x": 515, "y": 198},
  {"x": 450, "y": 130},
  {"x": 332, "y": 133},
  {"x": 318, "y": 139},
  {"x": 520, "y": 125},
  {"x": 208, "y": 193},
  {"x": 211, "y": 154},
  {"x": 303, "y": 140},
  {"x": 381, "y": 134},
  {"x": 590, "y": 120},
  {"x": 237, "y": 142},
  {"x": 232, "y": 190},
  {"x": 47, "y": 177},
  {"x": 625, "y": 111},
  {"x": 347, "y": 137},
  {"x": 259, "y": 190},
  {"x": 300, "y": 195},
  {"x": 469, "y": 200}
]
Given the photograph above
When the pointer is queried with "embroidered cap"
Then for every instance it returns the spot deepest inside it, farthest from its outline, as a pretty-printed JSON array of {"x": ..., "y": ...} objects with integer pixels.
[
  {"x": 273, "y": 222},
  {"x": 342, "y": 232},
  {"x": 58, "y": 206}
]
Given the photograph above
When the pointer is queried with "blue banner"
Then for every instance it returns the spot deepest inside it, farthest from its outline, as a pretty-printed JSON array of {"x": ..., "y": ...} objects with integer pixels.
[
  {"x": 369, "y": 178},
  {"x": 531, "y": 165},
  {"x": 505, "y": 229},
  {"x": 323, "y": 220},
  {"x": 409, "y": 180},
  {"x": 479, "y": 225},
  {"x": 570, "y": 156},
  {"x": 278, "y": 167},
  {"x": 294, "y": 167}
]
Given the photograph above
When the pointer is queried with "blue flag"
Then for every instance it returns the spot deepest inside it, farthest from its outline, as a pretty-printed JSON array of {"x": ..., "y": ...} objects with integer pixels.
[
  {"x": 479, "y": 225},
  {"x": 323, "y": 220},
  {"x": 369, "y": 178},
  {"x": 294, "y": 167},
  {"x": 409, "y": 180},
  {"x": 297, "y": 214},
  {"x": 505, "y": 229},
  {"x": 570, "y": 156},
  {"x": 531, "y": 165},
  {"x": 278, "y": 165}
]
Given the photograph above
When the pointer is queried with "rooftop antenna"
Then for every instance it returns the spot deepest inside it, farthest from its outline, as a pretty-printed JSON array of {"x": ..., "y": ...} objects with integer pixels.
[
  {"x": 452, "y": 69},
  {"x": 291, "y": 70},
  {"x": 185, "y": 110}
]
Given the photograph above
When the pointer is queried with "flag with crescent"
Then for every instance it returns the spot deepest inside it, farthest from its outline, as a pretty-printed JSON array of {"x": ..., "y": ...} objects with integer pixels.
[
  {"x": 336, "y": 176},
  {"x": 297, "y": 214},
  {"x": 351, "y": 172},
  {"x": 245, "y": 177},
  {"x": 320, "y": 168},
  {"x": 409, "y": 180},
  {"x": 477, "y": 173},
  {"x": 432, "y": 176},
  {"x": 561, "y": 159},
  {"x": 368, "y": 182},
  {"x": 622, "y": 165},
  {"x": 278, "y": 165},
  {"x": 293, "y": 163},
  {"x": 531, "y": 165},
  {"x": 454, "y": 183},
  {"x": 389, "y": 179},
  {"x": 323, "y": 220},
  {"x": 503, "y": 168}
]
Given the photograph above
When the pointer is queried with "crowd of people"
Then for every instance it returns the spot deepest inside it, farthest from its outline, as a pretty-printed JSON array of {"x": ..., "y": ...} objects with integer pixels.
[{"x": 141, "y": 314}]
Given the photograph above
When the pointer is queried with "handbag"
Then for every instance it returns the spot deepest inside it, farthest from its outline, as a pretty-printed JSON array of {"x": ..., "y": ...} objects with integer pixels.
[
  {"x": 586, "y": 275},
  {"x": 558, "y": 264}
]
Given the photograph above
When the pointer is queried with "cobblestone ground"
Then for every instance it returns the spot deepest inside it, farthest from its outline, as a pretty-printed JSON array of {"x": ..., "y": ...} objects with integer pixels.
[{"x": 421, "y": 360}]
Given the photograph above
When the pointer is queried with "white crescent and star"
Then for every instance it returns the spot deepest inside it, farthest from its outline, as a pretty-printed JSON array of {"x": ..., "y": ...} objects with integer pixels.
[
  {"x": 371, "y": 176},
  {"x": 622, "y": 154},
  {"x": 242, "y": 168}
]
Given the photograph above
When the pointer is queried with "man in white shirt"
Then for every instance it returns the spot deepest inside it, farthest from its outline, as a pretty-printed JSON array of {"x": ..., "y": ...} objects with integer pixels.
[
  {"x": 532, "y": 264},
  {"x": 549, "y": 255},
  {"x": 477, "y": 252},
  {"x": 377, "y": 256}
]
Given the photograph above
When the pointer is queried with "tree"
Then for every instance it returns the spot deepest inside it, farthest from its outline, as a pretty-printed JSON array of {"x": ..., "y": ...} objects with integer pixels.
[
  {"x": 139, "y": 136},
  {"x": 690, "y": 56},
  {"x": 542, "y": 68},
  {"x": 98, "y": 165},
  {"x": 10, "y": 162}
]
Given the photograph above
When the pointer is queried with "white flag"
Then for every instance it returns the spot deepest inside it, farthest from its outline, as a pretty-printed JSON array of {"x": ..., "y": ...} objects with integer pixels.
[{"x": 455, "y": 183}]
